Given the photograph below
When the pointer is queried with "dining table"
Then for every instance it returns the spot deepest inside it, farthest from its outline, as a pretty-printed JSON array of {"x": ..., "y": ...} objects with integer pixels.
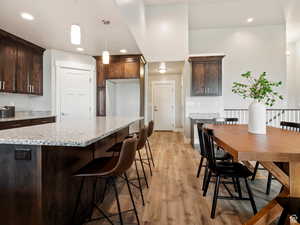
[{"x": 277, "y": 145}]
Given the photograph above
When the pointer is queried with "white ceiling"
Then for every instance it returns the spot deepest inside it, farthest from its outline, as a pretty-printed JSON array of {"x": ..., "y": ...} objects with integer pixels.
[
  {"x": 53, "y": 18},
  {"x": 172, "y": 68},
  {"x": 234, "y": 13}
]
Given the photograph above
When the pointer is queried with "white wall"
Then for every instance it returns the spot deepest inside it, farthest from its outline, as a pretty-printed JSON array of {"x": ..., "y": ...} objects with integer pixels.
[
  {"x": 256, "y": 49},
  {"x": 292, "y": 76},
  {"x": 110, "y": 99},
  {"x": 178, "y": 98}
]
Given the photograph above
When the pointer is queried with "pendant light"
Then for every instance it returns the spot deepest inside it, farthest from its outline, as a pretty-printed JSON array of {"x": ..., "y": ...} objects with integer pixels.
[
  {"x": 162, "y": 68},
  {"x": 75, "y": 34},
  {"x": 105, "y": 53}
]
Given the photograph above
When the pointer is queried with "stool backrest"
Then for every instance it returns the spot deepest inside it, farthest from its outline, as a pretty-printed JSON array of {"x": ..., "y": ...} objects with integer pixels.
[
  {"x": 290, "y": 126},
  {"x": 142, "y": 138},
  {"x": 126, "y": 157},
  {"x": 203, "y": 151},
  {"x": 150, "y": 128},
  {"x": 208, "y": 136}
]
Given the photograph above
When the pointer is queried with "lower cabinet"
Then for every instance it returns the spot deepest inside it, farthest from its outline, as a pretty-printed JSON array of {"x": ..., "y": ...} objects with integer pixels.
[{"x": 25, "y": 123}]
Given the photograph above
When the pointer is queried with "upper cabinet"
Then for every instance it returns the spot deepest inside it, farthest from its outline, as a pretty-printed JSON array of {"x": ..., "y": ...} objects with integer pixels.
[
  {"x": 206, "y": 75},
  {"x": 120, "y": 67},
  {"x": 21, "y": 65}
]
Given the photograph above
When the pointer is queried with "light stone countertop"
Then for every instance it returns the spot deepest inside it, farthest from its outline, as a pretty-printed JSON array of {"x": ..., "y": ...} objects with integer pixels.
[
  {"x": 27, "y": 115},
  {"x": 70, "y": 132},
  {"x": 204, "y": 116}
]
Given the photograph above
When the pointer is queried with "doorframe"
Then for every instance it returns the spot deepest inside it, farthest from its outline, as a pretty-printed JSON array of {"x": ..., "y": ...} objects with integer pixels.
[
  {"x": 172, "y": 83},
  {"x": 56, "y": 82}
]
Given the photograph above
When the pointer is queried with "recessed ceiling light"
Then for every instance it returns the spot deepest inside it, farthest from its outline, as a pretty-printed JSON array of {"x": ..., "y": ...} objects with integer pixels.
[
  {"x": 80, "y": 49},
  {"x": 123, "y": 50},
  {"x": 250, "y": 20},
  {"x": 27, "y": 16}
]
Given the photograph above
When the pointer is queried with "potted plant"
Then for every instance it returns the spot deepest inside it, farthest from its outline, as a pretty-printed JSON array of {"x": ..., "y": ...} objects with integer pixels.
[{"x": 261, "y": 90}]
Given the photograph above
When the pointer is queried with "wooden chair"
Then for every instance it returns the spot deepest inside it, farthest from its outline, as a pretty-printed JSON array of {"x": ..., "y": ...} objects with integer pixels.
[
  {"x": 222, "y": 170},
  {"x": 109, "y": 168},
  {"x": 291, "y": 126}
]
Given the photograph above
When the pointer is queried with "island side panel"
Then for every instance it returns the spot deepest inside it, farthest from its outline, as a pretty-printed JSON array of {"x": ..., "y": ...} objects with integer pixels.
[
  {"x": 60, "y": 188},
  {"x": 20, "y": 185}
]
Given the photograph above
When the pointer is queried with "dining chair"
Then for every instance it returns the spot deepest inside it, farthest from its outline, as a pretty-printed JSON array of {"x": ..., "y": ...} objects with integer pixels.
[
  {"x": 291, "y": 206},
  {"x": 228, "y": 121},
  {"x": 222, "y": 171},
  {"x": 291, "y": 126}
]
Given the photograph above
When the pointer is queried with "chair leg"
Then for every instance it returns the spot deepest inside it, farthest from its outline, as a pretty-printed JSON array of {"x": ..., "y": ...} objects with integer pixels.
[
  {"x": 139, "y": 180},
  {"x": 255, "y": 171},
  {"x": 283, "y": 217},
  {"x": 78, "y": 199},
  {"x": 148, "y": 158},
  {"x": 269, "y": 183},
  {"x": 132, "y": 200},
  {"x": 251, "y": 197},
  {"x": 204, "y": 178},
  {"x": 215, "y": 200},
  {"x": 143, "y": 168},
  {"x": 118, "y": 200},
  {"x": 238, "y": 184},
  {"x": 150, "y": 150},
  {"x": 200, "y": 166},
  {"x": 206, "y": 185}
]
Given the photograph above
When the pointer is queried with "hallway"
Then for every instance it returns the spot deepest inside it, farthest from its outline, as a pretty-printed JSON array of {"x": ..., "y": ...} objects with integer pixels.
[{"x": 175, "y": 197}]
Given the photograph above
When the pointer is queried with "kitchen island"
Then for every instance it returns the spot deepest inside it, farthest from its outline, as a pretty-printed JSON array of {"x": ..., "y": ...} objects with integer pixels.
[{"x": 37, "y": 163}]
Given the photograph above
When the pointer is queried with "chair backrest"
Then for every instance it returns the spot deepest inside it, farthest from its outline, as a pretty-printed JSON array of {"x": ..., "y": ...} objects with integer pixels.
[
  {"x": 231, "y": 120},
  {"x": 224, "y": 121},
  {"x": 208, "y": 136},
  {"x": 126, "y": 157},
  {"x": 142, "y": 138},
  {"x": 201, "y": 140},
  {"x": 150, "y": 128},
  {"x": 290, "y": 126}
]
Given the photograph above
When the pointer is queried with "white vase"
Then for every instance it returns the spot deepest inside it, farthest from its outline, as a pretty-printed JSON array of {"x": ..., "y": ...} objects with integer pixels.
[{"x": 257, "y": 118}]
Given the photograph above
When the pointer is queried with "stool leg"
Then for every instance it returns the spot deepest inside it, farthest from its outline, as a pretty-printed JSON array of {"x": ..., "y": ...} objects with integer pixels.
[
  {"x": 150, "y": 152},
  {"x": 148, "y": 158},
  {"x": 78, "y": 199},
  {"x": 118, "y": 200},
  {"x": 132, "y": 200},
  {"x": 200, "y": 166},
  {"x": 143, "y": 168},
  {"x": 139, "y": 180},
  {"x": 269, "y": 183}
]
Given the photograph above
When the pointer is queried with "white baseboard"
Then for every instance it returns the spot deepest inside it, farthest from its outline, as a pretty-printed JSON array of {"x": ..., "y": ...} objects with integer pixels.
[
  {"x": 178, "y": 129},
  {"x": 186, "y": 140}
]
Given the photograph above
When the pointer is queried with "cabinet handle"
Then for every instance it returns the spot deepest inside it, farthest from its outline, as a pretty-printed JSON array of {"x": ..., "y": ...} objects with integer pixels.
[
  {"x": 32, "y": 87},
  {"x": 0, "y": 85},
  {"x": 3, "y": 82}
]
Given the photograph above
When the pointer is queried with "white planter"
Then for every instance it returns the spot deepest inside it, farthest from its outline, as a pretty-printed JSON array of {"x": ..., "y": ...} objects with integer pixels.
[{"x": 257, "y": 118}]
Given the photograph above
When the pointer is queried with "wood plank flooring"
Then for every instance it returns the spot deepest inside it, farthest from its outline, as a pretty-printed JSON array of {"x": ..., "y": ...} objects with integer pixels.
[{"x": 175, "y": 197}]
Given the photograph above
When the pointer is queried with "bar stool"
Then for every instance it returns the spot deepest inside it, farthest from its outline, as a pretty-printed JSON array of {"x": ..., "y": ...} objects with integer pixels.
[
  {"x": 109, "y": 168},
  {"x": 142, "y": 136}
]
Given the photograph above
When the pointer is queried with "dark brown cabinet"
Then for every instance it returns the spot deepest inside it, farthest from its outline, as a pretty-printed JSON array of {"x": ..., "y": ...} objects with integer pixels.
[
  {"x": 206, "y": 75},
  {"x": 21, "y": 65}
]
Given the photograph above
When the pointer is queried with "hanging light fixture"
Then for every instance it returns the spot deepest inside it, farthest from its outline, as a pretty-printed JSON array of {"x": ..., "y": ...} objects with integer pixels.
[
  {"x": 105, "y": 53},
  {"x": 162, "y": 68},
  {"x": 75, "y": 34}
]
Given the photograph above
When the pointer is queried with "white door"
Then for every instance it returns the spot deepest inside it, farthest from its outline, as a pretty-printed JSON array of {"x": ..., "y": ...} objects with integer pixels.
[
  {"x": 163, "y": 105},
  {"x": 75, "y": 93}
]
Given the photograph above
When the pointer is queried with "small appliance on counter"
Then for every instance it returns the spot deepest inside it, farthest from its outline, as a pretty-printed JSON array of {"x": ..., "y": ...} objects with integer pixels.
[{"x": 7, "y": 111}]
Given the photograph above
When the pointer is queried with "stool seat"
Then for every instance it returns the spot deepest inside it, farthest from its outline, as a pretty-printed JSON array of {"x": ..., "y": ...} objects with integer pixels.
[{"x": 98, "y": 167}]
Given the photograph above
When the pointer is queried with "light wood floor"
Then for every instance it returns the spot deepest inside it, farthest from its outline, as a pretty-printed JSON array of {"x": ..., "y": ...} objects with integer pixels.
[{"x": 175, "y": 196}]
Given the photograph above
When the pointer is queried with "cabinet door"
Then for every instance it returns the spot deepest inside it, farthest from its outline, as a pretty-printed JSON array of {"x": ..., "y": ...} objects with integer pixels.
[
  {"x": 36, "y": 78},
  {"x": 101, "y": 71},
  {"x": 132, "y": 69},
  {"x": 212, "y": 75},
  {"x": 24, "y": 69},
  {"x": 198, "y": 79},
  {"x": 116, "y": 70},
  {"x": 8, "y": 58}
]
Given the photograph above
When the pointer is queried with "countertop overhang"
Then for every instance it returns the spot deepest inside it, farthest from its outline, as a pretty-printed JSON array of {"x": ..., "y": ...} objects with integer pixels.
[{"x": 69, "y": 132}]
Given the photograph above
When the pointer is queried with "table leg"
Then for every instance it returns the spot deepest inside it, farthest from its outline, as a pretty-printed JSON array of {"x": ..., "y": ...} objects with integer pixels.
[{"x": 294, "y": 179}]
